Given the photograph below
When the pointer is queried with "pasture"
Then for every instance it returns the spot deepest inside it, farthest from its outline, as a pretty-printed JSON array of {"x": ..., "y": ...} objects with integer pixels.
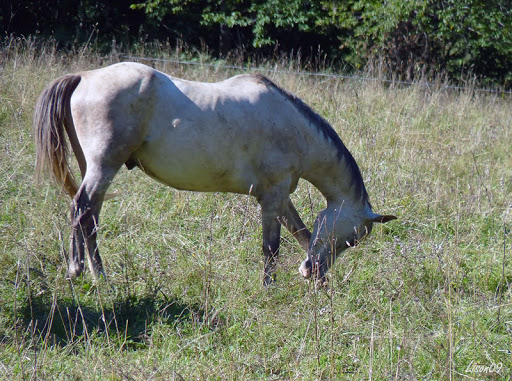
[{"x": 425, "y": 297}]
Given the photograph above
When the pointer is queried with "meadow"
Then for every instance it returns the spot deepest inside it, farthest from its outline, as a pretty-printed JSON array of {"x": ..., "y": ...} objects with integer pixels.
[{"x": 426, "y": 297}]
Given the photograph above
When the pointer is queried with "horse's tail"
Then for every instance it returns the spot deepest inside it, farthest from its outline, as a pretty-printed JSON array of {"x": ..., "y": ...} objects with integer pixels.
[{"x": 52, "y": 116}]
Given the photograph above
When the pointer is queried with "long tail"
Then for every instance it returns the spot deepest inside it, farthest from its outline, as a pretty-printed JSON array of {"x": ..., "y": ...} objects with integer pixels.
[{"x": 52, "y": 118}]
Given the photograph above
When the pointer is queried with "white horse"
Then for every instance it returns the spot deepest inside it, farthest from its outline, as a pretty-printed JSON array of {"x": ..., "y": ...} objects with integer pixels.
[{"x": 243, "y": 135}]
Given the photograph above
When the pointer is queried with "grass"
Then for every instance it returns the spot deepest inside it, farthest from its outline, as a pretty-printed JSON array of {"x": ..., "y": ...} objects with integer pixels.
[{"x": 424, "y": 298}]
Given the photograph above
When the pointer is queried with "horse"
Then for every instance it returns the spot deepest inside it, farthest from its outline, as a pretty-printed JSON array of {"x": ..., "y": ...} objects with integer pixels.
[{"x": 243, "y": 135}]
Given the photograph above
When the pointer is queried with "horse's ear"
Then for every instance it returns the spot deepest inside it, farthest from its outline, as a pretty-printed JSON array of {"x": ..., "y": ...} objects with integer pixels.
[{"x": 384, "y": 219}]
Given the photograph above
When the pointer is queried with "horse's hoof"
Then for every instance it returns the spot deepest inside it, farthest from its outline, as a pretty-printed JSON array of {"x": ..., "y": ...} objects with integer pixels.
[
  {"x": 322, "y": 282},
  {"x": 268, "y": 280},
  {"x": 74, "y": 272}
]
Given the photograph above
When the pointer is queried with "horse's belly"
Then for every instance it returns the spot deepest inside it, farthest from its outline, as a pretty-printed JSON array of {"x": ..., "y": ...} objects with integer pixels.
[
  {"x": 191, "y": 169},
  {"x": 184, "y": 177}
]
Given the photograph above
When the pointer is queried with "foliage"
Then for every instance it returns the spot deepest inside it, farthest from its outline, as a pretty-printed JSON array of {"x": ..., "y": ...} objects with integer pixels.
[
  {"x": 67, "y": 21},
  {"x": 417, "y": 36},
  {"x": 456, "y": 36}
]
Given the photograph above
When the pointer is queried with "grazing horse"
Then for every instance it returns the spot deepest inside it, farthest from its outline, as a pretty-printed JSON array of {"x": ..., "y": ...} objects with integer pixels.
[{"x": 243, "y": 135}]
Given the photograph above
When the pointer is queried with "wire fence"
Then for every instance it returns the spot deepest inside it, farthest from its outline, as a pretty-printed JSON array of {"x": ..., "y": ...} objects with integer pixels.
[{"x": 316, "y": 74}]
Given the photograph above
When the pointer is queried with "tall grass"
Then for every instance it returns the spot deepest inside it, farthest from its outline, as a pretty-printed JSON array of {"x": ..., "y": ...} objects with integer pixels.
[{"x": 426, "y": 297}]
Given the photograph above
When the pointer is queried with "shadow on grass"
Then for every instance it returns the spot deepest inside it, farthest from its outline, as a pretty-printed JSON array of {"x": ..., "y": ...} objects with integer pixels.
[{"x": 126, "y": 321}]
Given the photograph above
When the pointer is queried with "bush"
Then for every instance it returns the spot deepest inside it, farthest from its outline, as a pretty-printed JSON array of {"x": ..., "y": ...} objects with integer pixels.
[{"x": 420, "y": 36}]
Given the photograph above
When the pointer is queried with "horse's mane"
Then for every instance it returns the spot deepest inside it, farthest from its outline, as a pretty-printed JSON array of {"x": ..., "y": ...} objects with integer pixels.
[{"x": 327, "y": 131}]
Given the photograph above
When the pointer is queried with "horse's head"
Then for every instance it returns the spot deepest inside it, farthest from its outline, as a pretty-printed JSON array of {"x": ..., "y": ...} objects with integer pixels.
[{"x": 335, "y": 230}]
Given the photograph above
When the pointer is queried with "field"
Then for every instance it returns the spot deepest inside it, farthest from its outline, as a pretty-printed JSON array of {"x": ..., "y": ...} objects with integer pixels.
[{"x": 426, "y": 297}]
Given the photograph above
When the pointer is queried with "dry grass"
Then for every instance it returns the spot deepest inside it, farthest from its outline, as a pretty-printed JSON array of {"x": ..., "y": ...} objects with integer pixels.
[{"x": 424, "y": 298}]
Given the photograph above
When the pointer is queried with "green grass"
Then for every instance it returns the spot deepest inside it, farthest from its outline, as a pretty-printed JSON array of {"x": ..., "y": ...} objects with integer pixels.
[{"x": 422, "y": 298}]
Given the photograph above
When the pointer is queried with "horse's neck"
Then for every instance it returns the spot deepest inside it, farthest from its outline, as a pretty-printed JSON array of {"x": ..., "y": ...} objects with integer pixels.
[{"x": 332, "y": 175}]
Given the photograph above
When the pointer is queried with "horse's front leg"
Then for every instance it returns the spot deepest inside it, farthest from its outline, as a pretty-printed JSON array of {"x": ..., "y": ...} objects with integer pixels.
[
  {"x": 273, "y": 204},
  {"x": 295, "y": 226},
  {"x": 271, "y": 240},
  {"x": 298, "y": 229}
]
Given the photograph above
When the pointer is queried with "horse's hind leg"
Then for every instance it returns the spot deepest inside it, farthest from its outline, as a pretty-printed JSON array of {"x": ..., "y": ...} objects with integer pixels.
[{"x": 85, "y": 210}]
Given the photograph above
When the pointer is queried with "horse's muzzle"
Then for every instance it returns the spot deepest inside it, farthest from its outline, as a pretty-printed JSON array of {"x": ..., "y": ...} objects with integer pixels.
[{"x": 306, "y": 269}]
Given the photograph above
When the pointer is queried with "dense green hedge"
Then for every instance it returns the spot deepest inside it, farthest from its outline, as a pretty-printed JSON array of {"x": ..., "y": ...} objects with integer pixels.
[{"x": 457, "y": 37}]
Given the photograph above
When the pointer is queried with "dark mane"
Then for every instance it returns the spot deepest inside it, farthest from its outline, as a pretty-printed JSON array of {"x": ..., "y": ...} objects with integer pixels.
[{"x": 327, "y": 131}]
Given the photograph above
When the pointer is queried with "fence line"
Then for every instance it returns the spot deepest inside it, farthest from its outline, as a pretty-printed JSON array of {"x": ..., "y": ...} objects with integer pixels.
[{"x": 312, "y": 74}]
